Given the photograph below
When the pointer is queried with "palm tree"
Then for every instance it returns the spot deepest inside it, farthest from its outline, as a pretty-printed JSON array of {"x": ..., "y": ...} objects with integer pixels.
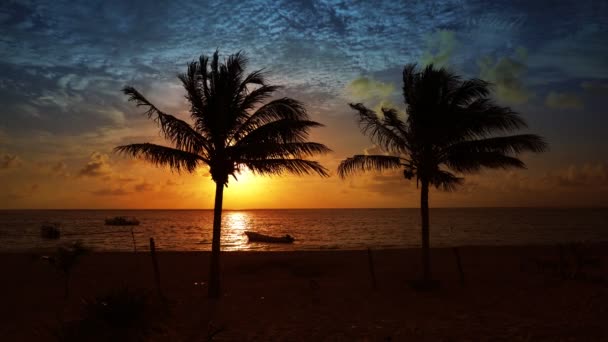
[
  {"x": 451, "y": 128},
  {"x": 232, "y": 130}
]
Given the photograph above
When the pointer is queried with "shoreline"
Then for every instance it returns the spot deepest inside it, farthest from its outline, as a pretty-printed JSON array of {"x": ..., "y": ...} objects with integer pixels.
[{"x": 584, "y": 244}]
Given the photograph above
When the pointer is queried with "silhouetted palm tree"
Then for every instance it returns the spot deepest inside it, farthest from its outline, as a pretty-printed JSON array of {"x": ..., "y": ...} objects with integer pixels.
[
  {"x": 451, "y": 127},
  {"x": 232, "y": 129}
]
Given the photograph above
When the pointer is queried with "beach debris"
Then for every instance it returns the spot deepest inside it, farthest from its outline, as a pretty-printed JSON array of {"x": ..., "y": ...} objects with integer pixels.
[
  {"x": 122, "y": 221},
  {"x": 65, "y": 259},
  {"x": 50, "y": 230}
]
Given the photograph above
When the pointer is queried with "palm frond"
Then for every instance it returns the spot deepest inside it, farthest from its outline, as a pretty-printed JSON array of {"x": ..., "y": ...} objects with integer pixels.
[
  {"x": 279, "y": 166},
  {"x": 514, "y": 144},
  {"x": 474, "y": 161},
  {"x": 177, "y": 131},
  {"x": 482, "y": 117},
  {"x": 283, "y": 108},
  {"x": 257, "y": 77},
  {"x": 236, "y": 64},
  {"x": 445, "y": 180},
  {"x": 469, "y": 91},
  {"x": 163, "y": 156},
  {"x": 362, "y": 163},
  {"x": 279, "y": 131},
  {"x": 382, "y": 135},
  {"x": 391, "y": 119},
  {"x": 257, "y": 96},
  {"x": 258, "y": 151}
]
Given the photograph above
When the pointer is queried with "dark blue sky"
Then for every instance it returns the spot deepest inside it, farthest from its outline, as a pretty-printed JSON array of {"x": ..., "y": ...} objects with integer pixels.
[{"x": 63, "y": 64}]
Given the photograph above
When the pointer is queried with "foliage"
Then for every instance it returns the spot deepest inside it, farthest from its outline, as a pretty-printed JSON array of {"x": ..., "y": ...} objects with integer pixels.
[
  {"x": 232, "y": 127},
  {"x": 67, "y": 257},
  {"x": 121, "y": 315},
  {"x": 451, "y": 127}
]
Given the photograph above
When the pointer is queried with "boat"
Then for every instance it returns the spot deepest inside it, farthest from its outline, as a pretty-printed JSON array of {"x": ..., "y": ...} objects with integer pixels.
[
  {"x": 50, "y": 230},
  {"x": 122, "y": 221},
  {"x": 257, "y": 237}
]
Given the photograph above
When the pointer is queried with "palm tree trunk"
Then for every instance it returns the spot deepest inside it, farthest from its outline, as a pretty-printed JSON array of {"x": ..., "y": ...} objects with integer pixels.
[
  {"x": 424, "y": 213},
  {"x": 214, "y": 268}
]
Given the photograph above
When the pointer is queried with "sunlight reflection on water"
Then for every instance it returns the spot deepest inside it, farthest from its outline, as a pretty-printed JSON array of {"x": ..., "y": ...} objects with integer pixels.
[{"x": 235, "y": 225}]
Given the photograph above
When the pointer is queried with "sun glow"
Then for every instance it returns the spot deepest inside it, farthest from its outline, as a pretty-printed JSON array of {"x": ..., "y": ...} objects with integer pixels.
[{"x": 247, "y": 190}]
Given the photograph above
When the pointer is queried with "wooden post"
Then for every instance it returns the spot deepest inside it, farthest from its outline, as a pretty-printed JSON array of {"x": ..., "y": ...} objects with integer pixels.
[
  {"x": 134, "y": 244},
  {"x": 372, "y": 272},
  {"x": 459, "y": 265},
  {"x": 155, "y": 266}
]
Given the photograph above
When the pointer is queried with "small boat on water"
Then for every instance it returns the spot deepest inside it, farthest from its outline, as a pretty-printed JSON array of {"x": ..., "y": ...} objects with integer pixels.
[
  {"x": 122, "y": 221},
  {"x": 50, "y": 230},
  {"x": 257, "y": 237}
]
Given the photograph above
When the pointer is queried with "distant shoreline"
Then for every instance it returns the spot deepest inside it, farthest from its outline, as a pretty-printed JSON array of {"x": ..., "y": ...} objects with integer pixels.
[
  {"x": 258, "y": 209},
  {"x": 398, "y": 249}
]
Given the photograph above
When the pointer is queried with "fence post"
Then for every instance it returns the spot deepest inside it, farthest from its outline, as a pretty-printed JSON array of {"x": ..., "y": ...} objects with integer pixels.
[
  {"x": 134, "y": 244},
  {"x": 459, "y": 265}
]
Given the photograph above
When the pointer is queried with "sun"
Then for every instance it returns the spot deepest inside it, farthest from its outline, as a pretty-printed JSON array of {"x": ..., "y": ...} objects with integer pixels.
[{"x": 244, "y": 176}]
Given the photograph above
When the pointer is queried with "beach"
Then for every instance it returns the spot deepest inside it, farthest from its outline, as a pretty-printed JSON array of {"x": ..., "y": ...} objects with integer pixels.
[{"x": 506, "y": 294}]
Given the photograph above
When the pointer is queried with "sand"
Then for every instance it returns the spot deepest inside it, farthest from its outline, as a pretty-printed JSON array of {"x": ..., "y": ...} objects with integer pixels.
[{"x": 509, "y": 294}]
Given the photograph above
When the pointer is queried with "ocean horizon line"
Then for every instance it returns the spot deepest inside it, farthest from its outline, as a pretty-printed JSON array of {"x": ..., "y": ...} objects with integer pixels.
[{"x": 335, "y": 208}]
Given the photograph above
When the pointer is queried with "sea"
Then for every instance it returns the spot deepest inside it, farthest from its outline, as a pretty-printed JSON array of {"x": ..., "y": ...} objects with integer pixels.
[{"x": 313, "y": 229}]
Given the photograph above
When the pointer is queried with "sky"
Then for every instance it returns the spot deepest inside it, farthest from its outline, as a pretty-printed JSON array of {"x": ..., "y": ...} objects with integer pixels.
[{"x": 63, "y": 64}]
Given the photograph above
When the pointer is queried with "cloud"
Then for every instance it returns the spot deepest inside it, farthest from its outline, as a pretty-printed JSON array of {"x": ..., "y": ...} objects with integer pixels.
[
  {"x": 586, "y": 175},
  {"x": 367, "y": 89},
  {"x": 581, "y": 54},
  {"x": 97, "y": 166},
  {"x": 171, "y": 184},
  {"x": 375, "y": 94},
  {"x": 440, "y": 47},
  {"x": 110, "y": 192},
  {"x": 9, "y": 161},
  {"x": 563, "y": 101},
  {"x": 59, "y": 168},
  {"x": 595, "y": 87},
  {"x": 389, "y": 183},
  {"x": 374, "y": 149},
  {"x": 506, "y": 74},
  {"x": 23, "y": 191},
  {"x": 144, "y": 187},
  {"x": 123, "y": 179}
]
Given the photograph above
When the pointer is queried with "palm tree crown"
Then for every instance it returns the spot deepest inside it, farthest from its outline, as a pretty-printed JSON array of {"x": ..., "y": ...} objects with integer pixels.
[
  {"x": 450, "y": 128},
  {"x": 231, "y": 128}
]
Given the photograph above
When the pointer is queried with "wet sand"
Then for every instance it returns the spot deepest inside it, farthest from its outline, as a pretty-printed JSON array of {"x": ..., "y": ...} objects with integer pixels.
[{"x": 508, "y": 294}]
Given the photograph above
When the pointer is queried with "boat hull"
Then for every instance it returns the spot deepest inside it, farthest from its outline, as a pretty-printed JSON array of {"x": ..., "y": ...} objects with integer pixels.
[{"x": 257, "y": 237}]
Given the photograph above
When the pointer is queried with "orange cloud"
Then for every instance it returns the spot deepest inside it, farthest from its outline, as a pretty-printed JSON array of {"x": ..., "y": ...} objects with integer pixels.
[
  {"x": 98, "y": 165},
  {"x": 9, "y": 161}
]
